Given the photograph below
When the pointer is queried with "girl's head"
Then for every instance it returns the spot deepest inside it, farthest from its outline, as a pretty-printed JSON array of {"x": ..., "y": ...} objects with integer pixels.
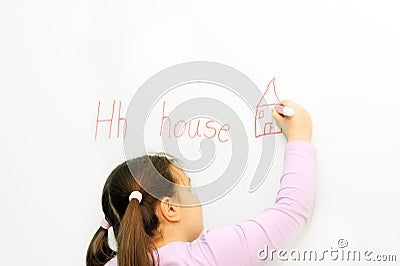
[{"x": 168, "y": 211}]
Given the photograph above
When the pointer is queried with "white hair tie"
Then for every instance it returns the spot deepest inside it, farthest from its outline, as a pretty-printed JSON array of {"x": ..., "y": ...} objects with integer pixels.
[
  {"x": 136, "y": 195},
  {"x": 105, "y": 224}
]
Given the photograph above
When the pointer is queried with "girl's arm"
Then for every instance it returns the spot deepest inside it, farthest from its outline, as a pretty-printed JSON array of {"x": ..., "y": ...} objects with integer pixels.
[
  {"x": 275, "y": 227},
  {"x": 241, "y": 244}
]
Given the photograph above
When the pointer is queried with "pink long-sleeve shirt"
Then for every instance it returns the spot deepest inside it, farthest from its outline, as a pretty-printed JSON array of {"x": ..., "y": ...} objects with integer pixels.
[{"x": 246, "y": 243}]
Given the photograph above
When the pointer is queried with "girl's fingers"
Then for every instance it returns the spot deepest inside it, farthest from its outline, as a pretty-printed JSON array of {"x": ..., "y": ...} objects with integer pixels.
[{"x": 278, "y": 118}]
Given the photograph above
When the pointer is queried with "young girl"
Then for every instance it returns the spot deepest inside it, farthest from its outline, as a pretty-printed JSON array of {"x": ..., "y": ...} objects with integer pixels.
[{"x": 150, "y": 231}]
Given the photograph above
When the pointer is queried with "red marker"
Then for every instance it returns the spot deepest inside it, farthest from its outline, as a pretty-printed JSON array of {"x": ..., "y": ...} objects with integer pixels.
[{"x": 284, "y": 110}]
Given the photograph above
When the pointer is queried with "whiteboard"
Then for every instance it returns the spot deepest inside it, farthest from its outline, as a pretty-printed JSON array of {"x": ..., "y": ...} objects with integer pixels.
[{"x": 66, "y": 64}]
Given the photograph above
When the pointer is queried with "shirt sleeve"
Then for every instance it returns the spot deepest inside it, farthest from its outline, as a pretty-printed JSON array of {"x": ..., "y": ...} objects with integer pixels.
[{"x": 273, "y": 228}]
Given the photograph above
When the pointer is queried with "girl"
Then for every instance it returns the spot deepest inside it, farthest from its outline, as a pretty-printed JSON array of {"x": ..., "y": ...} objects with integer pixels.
[{"x": 149, "y": 231}]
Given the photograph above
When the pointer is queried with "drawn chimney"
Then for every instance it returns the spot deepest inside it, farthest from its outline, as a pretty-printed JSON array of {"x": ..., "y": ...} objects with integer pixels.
[{"x": 268, "y": 100}]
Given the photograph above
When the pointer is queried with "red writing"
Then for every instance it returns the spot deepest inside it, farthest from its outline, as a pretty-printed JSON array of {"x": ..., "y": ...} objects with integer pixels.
[
  {"x": 107, "y": 118},
  {"x": 268, "y": 127},
  {"x": 194, "y": 128}
]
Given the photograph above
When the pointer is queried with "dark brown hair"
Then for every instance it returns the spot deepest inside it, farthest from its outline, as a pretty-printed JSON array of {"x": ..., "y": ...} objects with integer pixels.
[{"x": 134, "y": 224}]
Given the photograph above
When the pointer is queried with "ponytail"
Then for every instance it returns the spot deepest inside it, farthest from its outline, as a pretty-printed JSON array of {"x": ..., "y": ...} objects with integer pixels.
[
  {"x": 134, "y": 244},
  {"x": 134, "y": 220},
  {"x": 99, "y": 251}
]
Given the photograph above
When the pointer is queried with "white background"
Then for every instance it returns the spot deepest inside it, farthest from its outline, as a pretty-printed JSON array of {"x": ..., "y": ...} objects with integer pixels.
[{"x": 58, "y": 59}]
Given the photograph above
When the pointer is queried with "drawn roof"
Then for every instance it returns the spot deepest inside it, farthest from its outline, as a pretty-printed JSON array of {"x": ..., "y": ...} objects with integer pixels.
[{"x": 273, "y": 99}]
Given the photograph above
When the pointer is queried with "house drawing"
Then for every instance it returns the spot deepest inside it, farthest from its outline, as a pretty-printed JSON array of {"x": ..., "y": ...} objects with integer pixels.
[{"x": 267, "y": 124}]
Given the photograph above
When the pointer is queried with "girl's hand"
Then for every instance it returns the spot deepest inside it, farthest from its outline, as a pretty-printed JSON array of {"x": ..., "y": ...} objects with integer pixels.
[{"x": 297, "y": 126}]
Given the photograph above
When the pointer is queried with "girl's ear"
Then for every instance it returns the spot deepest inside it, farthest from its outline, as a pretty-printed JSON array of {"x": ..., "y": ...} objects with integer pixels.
[{"x": 168, "y": 211}]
